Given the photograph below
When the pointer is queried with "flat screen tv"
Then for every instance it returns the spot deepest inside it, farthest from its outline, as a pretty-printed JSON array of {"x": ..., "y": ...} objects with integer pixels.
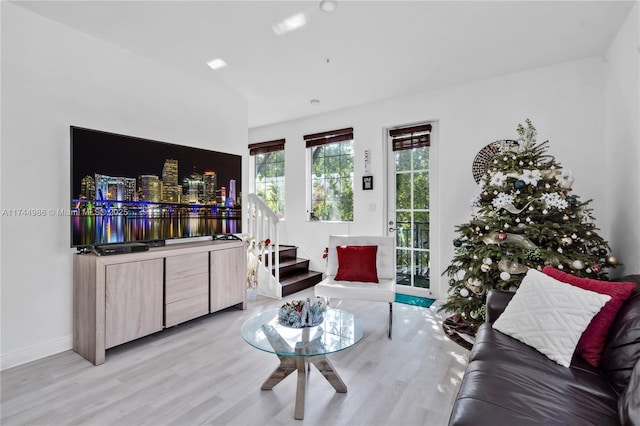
[{"x": 127, "y": 189}]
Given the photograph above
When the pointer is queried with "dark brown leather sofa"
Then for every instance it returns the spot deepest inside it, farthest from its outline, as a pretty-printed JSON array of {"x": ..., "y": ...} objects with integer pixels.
[{"x": 509, "y": 383}]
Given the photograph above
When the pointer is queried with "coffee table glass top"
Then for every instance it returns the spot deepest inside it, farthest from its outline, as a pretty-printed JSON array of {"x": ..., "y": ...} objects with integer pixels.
[{"x": 339, "y": 330}]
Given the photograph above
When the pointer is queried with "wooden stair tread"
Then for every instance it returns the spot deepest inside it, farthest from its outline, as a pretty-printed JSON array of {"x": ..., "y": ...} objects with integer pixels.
[
  {"x": 290, "y": 262},
  {"x": 296, "y": 277},
  {"x": 299, "y": 281}
]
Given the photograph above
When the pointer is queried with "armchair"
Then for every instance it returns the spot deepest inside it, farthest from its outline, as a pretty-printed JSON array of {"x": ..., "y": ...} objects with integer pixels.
[{"x": 383, "y": 291}]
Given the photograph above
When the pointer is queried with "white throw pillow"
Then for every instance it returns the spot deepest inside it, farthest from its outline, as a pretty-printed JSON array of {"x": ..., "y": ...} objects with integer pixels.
[{"x": 549, "y": 315}]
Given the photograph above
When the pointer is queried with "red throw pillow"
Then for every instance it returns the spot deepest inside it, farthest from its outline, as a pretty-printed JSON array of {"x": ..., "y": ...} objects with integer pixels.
[
  {"x": 592, "y": 342},
  {"x": 357, "y": 263}
]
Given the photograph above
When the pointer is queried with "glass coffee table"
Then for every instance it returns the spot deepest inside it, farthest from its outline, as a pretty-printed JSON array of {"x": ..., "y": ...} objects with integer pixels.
[{"x": 299, "y": 347}]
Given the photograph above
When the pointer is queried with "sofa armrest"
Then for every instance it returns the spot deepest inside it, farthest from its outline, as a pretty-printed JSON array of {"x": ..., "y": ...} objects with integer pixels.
[{"x": 497, "y": 300}]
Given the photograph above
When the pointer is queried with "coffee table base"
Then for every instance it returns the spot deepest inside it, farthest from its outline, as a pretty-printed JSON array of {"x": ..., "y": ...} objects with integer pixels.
[{"x": 289, "y": 364}]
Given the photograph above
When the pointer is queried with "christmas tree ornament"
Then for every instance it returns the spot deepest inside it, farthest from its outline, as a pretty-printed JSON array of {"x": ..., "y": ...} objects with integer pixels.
[
  {"x": 464, "y": 292},
  {"x": 485, "y": 268},
  {"x": 487, "y": 261},
  {"x": 612, "y": 260},
  {"x": 473, "y": 315},
  {"x": 561, "y": 266},
  {"x": 571, "y": 200},
  {"x": 457, "y": 243},
  {"x": 501, "y": 236},
  {"x": 520, "y": 184},
  {"x": 565, "y": 217},
  {"x": 566, "y": 241},
  {"x": 588, "y": 233},
  {"x": 577, "y": 264},
  {"x": 474, "y": 282},
  {"x": 596, "y": 267},
  {"x": 602, "y": 252},
  {"x": 574, "y": 236},
  {"x": 505, "y": 276}
]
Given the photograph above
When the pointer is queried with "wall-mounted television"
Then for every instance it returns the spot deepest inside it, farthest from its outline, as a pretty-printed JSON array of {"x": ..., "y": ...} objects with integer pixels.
[{"x": 128, "y": 189}]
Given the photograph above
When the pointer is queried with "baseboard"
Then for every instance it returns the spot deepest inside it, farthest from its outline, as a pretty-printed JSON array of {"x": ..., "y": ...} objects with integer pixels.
[{"x": 35, "y": 352}]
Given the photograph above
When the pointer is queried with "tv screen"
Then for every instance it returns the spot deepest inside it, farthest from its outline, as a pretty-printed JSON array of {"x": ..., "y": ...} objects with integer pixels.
[{"x": 128, "y": 189}]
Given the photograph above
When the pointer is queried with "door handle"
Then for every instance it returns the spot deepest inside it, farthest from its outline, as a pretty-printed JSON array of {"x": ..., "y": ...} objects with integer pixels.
[{"x": 392, "y": 229}]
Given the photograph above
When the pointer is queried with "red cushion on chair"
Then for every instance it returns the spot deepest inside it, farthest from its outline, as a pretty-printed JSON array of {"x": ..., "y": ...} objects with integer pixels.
[
  {"x": 592, "y": 342},
  {"x": 357, "y": 263}
]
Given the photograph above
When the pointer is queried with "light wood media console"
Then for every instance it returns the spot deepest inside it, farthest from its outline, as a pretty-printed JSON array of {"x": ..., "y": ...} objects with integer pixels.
[{"x": 123, "y": 297}]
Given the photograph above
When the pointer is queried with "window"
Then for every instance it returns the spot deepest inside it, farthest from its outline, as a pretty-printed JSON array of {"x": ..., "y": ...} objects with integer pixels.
[
  {"x": 269, "y": 173},
  {"x": 331, "y": 168}
]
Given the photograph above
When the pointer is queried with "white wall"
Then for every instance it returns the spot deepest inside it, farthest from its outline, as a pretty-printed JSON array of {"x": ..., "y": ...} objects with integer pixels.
[
  {"x": 622, "y": 132},
  {"x": 565, "y": 103},
  {"x": 54, "y": 77}
]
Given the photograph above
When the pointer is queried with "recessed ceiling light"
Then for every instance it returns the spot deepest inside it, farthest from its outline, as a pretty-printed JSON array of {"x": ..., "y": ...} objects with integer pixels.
[
  {"x": 217, "y": 63},
  {"x": 328, "y": 5},
  {"x": 315, "y": 102},
  {"x": 291, "y": 23}
]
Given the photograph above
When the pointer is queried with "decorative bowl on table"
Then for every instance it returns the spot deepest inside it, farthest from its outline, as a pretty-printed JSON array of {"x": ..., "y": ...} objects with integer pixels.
[{"x": 301, "y": 313}]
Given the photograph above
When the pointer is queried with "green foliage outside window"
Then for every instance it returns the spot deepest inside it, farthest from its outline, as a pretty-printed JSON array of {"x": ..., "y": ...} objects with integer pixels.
[
  {"x": 269, "y": 184},
  {"x": 332, "y": 181}
]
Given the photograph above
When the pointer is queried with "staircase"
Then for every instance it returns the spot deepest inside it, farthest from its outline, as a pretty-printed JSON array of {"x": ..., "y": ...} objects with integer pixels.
[
  {"x": 294, "y": 271},
  {"x": 282, "y": 272}
]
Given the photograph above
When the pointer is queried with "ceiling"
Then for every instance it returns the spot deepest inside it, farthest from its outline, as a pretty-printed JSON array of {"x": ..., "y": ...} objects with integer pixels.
[{"x": 362, "y": 52}]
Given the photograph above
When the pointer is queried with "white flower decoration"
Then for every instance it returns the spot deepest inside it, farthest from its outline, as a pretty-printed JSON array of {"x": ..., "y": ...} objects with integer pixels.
[
  {"x": 554, "y": 200},
  {"x": 475, "y": 201},
  {"x": 502, "y": 200},
  {"x": 531, "y": 177},
  {"x": 498, "y": 179},
  {"x": 565, "y": 179}
]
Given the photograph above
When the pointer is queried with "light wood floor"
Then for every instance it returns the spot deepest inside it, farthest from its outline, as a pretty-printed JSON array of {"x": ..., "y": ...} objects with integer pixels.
[{"x": 203, "y": 372}]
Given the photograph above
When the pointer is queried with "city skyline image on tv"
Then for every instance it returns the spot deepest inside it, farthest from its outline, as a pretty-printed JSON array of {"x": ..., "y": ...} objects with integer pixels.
[{"x": 126, "y": 189}]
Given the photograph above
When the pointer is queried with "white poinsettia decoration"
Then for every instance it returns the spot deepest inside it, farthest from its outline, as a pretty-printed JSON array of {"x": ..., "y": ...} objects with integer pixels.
[
  {"x": 501, "y": 200},
  {"x": 475, "y": 201},
  {"x": 498, "y": 179},
  {"x": 482, "y": 183},
  {"x": 531, "y": 177},
  {"x": 565, "y": 179},
  {"x": 554, "y": 200}
]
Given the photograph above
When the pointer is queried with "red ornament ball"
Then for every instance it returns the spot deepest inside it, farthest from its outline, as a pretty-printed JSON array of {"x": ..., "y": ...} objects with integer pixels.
[
  {"x": 501, "y": 236},
  {"x": 596, "y": 268}
]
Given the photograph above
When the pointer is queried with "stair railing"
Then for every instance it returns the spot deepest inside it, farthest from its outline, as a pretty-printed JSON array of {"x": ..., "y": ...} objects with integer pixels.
[{"x": 263, "y": 225}]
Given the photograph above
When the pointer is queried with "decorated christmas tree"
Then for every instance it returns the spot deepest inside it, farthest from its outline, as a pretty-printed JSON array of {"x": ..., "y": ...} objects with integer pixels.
[{"x": 524, "y": 216}]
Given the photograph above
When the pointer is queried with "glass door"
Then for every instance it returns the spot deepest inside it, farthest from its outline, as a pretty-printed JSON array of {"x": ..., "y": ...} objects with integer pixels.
[{"x": 408, "y": 210}]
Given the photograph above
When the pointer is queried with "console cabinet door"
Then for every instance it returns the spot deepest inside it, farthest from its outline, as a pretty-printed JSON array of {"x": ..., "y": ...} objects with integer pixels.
[
  {"x": 133, "y": 300},
  {"x": 227, "y": 278}
]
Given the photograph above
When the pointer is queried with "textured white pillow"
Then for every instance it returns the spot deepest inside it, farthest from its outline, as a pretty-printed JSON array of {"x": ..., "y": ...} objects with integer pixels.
[{"x": 549, "y": 315}]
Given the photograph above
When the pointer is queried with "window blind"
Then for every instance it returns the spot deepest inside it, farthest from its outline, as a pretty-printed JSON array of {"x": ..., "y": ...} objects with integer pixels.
[
  {"x": 265, "y": 147},
  {"x": 333, "y": 136},
  {"x": 411, "y": 137}
]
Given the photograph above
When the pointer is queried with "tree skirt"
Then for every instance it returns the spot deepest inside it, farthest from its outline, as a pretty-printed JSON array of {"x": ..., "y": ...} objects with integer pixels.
[{"x": 460, "y": 332}]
